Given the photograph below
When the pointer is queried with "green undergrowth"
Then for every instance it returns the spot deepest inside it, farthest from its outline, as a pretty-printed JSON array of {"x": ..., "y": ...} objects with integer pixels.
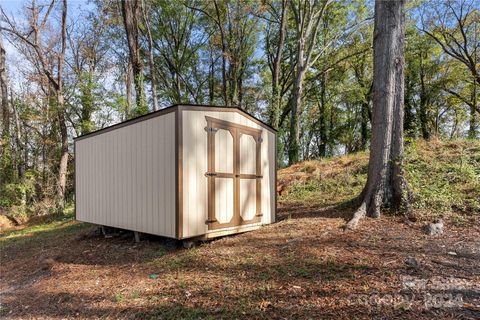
[
  {"x": 49, "y": 227},
  {"x": 444, "y": 177}
]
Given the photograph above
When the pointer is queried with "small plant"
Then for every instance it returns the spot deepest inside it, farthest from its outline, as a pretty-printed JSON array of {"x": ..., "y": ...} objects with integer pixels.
[
  {"x": 182, "y": 285},
  {"x": 118, "y": 297},
  {"x": 135, "y": 295}
]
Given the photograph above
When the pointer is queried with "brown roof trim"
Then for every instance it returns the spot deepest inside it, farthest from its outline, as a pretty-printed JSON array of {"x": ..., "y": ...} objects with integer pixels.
[
  {"x": 128, "y": 122},
  {"x": 172, "y": 108},
  {"x": 202, "y": 107}
]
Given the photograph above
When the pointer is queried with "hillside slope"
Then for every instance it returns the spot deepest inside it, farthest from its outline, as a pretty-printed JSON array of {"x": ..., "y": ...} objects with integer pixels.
[{"x": 444, "y": 178}]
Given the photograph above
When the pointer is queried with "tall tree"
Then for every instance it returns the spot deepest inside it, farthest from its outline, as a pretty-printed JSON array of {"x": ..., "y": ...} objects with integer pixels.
[
  {"x": 307, "y": 15},
  {"x": 131, "y": 15},
  {"x": 386, "y": 185},
  {"x": 4, "y": 138},
  {"x": 4, "y": 94},
  {"x": 274, "y": 50},
  {"x": 151, "y": 61}
]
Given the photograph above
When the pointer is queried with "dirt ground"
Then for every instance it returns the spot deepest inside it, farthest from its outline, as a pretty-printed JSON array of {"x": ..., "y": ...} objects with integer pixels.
[{"x": 304, "y": 266}]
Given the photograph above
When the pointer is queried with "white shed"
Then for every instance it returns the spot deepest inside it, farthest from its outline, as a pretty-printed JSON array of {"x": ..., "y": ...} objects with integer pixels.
[{"x": 181, "y": 172}]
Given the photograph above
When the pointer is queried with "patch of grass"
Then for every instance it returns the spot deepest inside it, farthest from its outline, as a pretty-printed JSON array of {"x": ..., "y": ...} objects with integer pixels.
[
  {"x": 444, "y": 177},
  {"x": 176, "y": 263},
  {"x": 57, "y": 226},
  {"x": 324, "y": 182}
]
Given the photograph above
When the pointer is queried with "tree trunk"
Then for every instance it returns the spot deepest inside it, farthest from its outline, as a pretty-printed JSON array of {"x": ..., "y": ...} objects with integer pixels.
[
  {"x": 364, "y": 125},
  {"x": 130, "y": 12},
  {"x": 277, "y": 64},
  {"x": 128, "y": 87},
  {"x": 4, "y": 95},
  {"x": 294, "y": 139},
  {"x": 4, "y": 138},
  {"x": 322, "y": 151},
  {"x": 211, "y": 77},
  {"x": 20, "y": 147},
  {"x": 386, "y": 185},
  {"x": 423, "y": 103},
  {"x": 151, "y": 61},
  {"x": 62, "y": 168},
  {"x": 472, "y": 130}
]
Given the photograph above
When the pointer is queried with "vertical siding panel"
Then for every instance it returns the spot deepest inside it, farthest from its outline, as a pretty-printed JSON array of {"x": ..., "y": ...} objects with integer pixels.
[
  {"x": 164, "y": 179},
  {"x": 78, "y": 179},
  {"x": 106, "y": 176},
  {"x": 146, "y": 170},
  {"x": 130, "y": 174},
  {"x": 91, "y": 191},
  {"x": 125, "y": 157},
  {"x": 113, "y": 187},
  {"x": 119, "y": 185},
  {"x": 186, "y": 156},
  {"x": 160, "y": 179},
  {"x": 162, "y": 186},
  {"x": 148, "y": 178},
  {"x": 154, "y": 166},
  {"x": 95, "y": 209},
  {"x": 272, "y": 169},
  {"x": 100, "y": 164},
  {"x": 197, "y": 127},
  {"x": 171, "y": 190},
  {"x": 143, "y": 223},
  {"x": 138, "y": 185},
  {"x": 140, "y": 182},
  {"x": 108, "y": 180}
]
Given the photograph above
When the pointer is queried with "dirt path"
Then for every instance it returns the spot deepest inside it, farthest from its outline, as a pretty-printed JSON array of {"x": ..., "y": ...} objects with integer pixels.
[{"x": 304, "y": 266}]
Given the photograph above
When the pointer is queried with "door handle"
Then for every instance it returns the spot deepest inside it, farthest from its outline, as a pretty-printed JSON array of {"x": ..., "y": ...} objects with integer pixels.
[{"x": 210, "y": 174}]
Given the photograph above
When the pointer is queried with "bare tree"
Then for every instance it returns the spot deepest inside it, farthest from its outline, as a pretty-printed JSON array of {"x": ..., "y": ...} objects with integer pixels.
[
  {"x": 386, "y": 185},
  {"x": 454, "y": 26},
  {"x": 51, "y": 64}
]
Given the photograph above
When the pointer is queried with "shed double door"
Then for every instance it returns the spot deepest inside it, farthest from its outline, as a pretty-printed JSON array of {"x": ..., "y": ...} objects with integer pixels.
[{"x": 234, "y": 174}]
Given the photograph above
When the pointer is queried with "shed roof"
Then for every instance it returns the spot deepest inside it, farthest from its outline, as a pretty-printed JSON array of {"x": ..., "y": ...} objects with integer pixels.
[{"x": 173, "y": 108}]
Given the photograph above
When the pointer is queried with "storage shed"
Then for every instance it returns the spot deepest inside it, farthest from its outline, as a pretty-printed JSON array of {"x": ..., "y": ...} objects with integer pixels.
[{"x": 181, "y": 172}]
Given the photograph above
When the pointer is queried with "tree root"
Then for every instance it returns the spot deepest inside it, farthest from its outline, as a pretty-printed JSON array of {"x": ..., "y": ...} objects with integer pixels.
[{"x": 357, "y": 216}]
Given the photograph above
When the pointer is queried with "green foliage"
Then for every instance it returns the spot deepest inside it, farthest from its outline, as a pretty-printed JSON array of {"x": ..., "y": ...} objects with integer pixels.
[{"x": 17, "y": 193}]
